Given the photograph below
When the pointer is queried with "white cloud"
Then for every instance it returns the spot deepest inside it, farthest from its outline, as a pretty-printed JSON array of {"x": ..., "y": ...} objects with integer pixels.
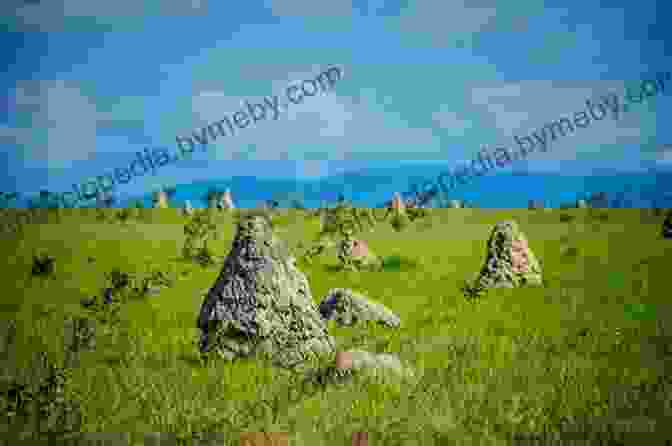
[
  {"x": 57, "y": 15},
  {"x": 439, "y": 20},
  {"x": 309, "y": 8},
  {"x": 330, "y": 123},
  {"x": 506, "y": 105},
  {"x": 15, "y": 135},
  {"x": 451, "y": 121},
  {"x": 521, "y": 108},
  {"x": 343, "y": 127},
  {"x": 312, "y": 169},
  {"x": 664, "y": 157},
  {"x": 63, "y": 122},
  {"x": 447, "y": 21}
]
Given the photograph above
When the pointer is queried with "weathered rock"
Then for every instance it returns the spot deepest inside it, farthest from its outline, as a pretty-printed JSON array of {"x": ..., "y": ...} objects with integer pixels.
[
  {"x": 509, "y": 260},
  {"x": 226, "y": 201},
  {"x": 261, "y": 303},
  {"x": 667, "y": 226},
  {"x": 108, "y": 297},
  {"x": 152, "y": 290},
  {"x": 398, "y": 203},
  {"x": 160, "y": 200},
  {"x": 581, "y": 204},
  {"x": 376, "y": 364},
  {"x": 188, "y": 209},
  {"x": 347, "y": 307},
  {"x": 355, "y": 255}
]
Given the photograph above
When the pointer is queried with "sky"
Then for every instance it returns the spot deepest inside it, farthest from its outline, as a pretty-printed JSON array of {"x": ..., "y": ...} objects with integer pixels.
[{"x": 91, "y": 82}]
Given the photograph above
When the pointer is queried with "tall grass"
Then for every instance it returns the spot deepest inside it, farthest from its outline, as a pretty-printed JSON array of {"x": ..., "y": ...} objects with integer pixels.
[{"x": 583, "y": 359}]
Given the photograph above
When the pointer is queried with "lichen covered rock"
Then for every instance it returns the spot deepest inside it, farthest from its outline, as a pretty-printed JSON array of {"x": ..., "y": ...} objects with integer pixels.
[
  {"x": 160, "y": 200},
  {"x": 226, "y": 201},
  {"x": 188, "y": 209},
  {"x": 509, "y": 260},
  {"x": 261, "y": 303},
  {"x": 347, "y": 308},
  {"x": 355, "y": 255},
  {"x": 398, "y": 203}
]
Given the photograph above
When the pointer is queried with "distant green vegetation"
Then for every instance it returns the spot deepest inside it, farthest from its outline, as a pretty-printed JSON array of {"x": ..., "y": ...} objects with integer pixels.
[{"x": 589, "y": 353}]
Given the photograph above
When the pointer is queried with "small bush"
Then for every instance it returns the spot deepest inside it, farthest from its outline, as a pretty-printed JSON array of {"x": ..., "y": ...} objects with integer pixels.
[
  {"x": 397, "y": 263},
  {"x": 265, "y": 214},
  {"x": 205, "y": 257},
  {"x": 416, "y": 213},
  {"x": 566, "y": 218},
  {"x": 41, "y": 409},
  {"x": 101, "y": 215},
  {"x": 43, "y": 266},
  {"x": 119, "y": 280},
  {"x": 123, "y": 215},
  {"x": 199, "y": 230},
  {"x": 399, "y": 222},
  {"x": 472, "y": 291},
  {"x": 571, "y": 251}
]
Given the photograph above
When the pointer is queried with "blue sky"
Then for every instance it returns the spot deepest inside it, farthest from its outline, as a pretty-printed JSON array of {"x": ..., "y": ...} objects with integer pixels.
[{"x": 91, "y": 82}]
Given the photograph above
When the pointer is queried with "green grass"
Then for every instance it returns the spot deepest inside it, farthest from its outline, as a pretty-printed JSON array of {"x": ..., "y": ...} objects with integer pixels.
[
  {"x": 398, "y": 263},
  {"x": 588, "y": 354}
]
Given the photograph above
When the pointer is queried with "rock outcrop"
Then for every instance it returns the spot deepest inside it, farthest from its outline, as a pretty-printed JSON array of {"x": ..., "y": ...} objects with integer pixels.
[
  {"x": 509, "y": 260},
  {"x": 355, "y": 255},
  {"x": 667, "y": 226},
  {"x": 261, "y": 303},
  {"x": 347, "y": 308},
  {"x": 188, "y": 209},
  {"x": 399, "y": 215},
  {"x": 226, "y": 201},
  {"x": 581, "y": 204},
  {"x": 160, "y": 200},
  {"x": 398, "y": 203},
  {"x": 455, "y": 204}
]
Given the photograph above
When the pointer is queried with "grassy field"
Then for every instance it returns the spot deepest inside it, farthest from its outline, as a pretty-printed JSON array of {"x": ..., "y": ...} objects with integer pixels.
[{"x": 582, "y": 360}]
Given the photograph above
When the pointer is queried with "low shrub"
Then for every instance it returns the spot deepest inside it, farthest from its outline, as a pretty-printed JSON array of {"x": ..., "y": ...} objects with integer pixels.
[
  {"x": 565, "y": 218},
  {"x": 43, "y": 266},
  {"x": 397, "y": 263}
]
